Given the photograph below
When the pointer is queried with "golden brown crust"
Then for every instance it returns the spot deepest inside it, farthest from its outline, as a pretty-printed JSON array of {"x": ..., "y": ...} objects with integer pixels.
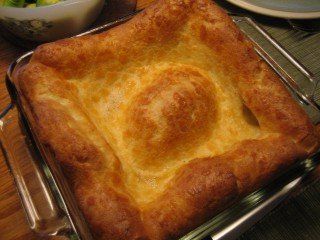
[
  {"x": 164, "y": 121},
  {"x": 184, "y": 116},
  {"x": 112, "y": 214},
  {"x": 206, "y": 186}
]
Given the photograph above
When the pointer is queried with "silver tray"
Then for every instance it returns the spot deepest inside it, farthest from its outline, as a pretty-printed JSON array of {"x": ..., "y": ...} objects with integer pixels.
[{"x": 45, "y": 195}]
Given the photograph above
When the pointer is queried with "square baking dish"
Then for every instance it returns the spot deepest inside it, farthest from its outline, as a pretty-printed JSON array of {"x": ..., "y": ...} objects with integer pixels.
[{"x": 49, "y": 204}]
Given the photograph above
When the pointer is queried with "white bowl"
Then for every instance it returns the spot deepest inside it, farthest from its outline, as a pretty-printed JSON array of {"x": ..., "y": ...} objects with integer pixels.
[{"x": 48, "y": 23}]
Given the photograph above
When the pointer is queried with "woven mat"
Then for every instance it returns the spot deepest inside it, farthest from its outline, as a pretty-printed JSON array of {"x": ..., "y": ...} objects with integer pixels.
[{"x": 296, "y": 219}]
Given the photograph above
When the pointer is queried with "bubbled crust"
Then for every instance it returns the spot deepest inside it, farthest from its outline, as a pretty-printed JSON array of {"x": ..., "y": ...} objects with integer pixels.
[
  {"x": 111, "y": 213},
  {"x": 176, "y": 112},
  {"x": 260, "y": 88},
  {"x": 173, "y": 111},
  {"x": 206, "y": 186}
]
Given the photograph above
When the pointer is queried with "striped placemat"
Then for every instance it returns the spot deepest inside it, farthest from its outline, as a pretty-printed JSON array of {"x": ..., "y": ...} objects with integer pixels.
[{"x": 296, "y": 219}]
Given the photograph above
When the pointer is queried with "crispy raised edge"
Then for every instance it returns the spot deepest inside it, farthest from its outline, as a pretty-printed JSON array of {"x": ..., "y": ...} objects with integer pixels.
[
  {"x": 115, "y": 217},
  {"x": 260, "y": 88},
  {"x": 209, "y": 185},
  {"x": 68, "y": 57}
]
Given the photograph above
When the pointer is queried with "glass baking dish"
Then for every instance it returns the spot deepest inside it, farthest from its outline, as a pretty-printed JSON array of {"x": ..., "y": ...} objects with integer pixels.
[{"x": 49, "y": 203}]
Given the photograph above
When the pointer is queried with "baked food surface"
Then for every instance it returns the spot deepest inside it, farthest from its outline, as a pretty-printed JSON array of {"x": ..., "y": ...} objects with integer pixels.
[{"x": 164, "y": 121}]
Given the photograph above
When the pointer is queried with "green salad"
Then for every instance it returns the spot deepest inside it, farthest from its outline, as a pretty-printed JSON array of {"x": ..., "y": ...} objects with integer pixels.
[{"x": 28, "y": 3}]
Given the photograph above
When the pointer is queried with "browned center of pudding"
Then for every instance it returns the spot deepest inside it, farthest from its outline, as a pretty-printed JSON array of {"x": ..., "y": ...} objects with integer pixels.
[{"x": 175, "y": 112}]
